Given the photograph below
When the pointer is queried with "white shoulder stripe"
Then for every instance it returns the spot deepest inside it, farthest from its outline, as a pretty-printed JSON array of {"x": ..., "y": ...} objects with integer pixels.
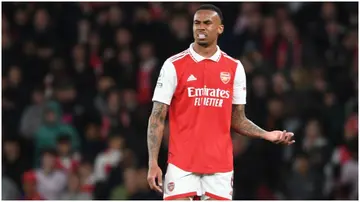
[
  {"x": 179, "y": 56},
  {"x": 231, "y": 58}
]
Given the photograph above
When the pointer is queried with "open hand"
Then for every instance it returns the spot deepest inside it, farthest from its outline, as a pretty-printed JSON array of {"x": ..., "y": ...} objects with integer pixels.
[{"x": 280, "y": 137}]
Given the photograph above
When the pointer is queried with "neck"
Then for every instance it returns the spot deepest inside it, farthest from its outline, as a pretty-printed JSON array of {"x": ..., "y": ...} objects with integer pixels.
[{"x": 205, "y": 51}]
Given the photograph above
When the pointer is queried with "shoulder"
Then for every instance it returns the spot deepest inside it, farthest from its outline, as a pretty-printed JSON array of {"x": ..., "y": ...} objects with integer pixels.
[
  {"x": 178, "y": 56},
  {"x": 235, "y": 64},
  {"x": 231, "y": 59},
  {"x": 173, "y": 64}
]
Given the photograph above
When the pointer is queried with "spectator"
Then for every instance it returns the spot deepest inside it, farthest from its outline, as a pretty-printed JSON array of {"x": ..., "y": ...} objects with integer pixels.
[
  {"x": 109, "y": 158},
  {"x": 14, "y": 164},
  {"x": 32, "y": 116},
  {"x": 51, "y": 128},
  {"x": 67, "y": 160},
  {"x": 30, "y": 186},
  {"x": 93, "y": 143},
  {"x": 9, "y": 189},
  {"x": 50, "y": 181},
  {"x": 87, "y": 178},
  {"x": 73, "y": 191},
  {"x": 302, "y": 181}
]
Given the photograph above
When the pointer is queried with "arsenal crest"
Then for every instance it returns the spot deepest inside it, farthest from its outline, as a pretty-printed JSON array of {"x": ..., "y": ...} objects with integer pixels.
[
  {"x": 171, "y": 186},
  {"x": 225, "y": 77}
]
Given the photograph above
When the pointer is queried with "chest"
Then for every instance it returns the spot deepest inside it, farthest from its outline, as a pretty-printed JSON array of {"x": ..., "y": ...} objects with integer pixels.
[{"x": 207, "y": 74}]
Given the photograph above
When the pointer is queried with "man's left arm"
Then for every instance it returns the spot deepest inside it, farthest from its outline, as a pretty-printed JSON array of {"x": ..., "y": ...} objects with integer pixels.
[{"x": 242, "y": 125}]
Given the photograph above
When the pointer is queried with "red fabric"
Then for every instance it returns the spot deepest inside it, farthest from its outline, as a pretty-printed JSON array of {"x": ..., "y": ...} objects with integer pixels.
[
  {"x": 264, "y": 193},
  {"x": 213, "y": 196},
  {"x": 352, "y": 124},
  {"x": 105, "y": 126},
  {"x": 72, "y": 168},
  {"x": 108, "y": 168},
  {"x": 144, "y": 86},
  {"x": 283, "y": 50},
  {"x": 29, "y": 176},
  {"x": 96, "y": 63},
  {"x": 344, "y": 155},
  {"x": 179, "y": 196},
  {"x": 268, "y": 46},
  {"x": 156, "y": 13},
  {"x": 35, "y": 197},
  {"x": 87, "y": 188},
  {"x": 198, "y": 143}
]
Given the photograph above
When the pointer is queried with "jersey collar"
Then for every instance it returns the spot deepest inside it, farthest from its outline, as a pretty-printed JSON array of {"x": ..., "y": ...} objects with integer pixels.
[{"x": 197, "y": 58}]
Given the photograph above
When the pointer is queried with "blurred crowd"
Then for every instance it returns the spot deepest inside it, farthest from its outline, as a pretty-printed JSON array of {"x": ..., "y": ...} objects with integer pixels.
[{"x": 78, "y": 78}]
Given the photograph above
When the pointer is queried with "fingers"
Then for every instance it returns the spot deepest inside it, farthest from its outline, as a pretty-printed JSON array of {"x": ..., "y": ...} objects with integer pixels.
[
  {"x": 285, "y": 138},
  {"x": 160, "y": 183},
  {"x": 288, "y": 138},
  {"x": 152, "y": 182},
  {"x": 281, "y": 137},
  {"x": 159, "y": 178}
]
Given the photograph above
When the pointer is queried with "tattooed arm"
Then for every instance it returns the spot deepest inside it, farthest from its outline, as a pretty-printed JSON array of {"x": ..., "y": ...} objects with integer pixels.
[
  {"x": 244, "y": 126},
  {"x": 156, "y": 130}
]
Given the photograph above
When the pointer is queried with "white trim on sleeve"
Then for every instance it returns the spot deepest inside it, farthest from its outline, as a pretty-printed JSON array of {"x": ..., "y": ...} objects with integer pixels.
[
  {"x": 166, "y": 83},
  {"x": 239, "y": 92}
]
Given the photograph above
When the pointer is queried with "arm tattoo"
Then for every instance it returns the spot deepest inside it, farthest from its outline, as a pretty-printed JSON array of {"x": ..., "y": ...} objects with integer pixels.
[
  {"x": 242, "y": 125},
  {"x": 155, "y": 130}
]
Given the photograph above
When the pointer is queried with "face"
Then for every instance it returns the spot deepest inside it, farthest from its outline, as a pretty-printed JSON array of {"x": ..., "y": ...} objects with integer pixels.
[
  {"x": 301, "y": 165},
  {"x": 38, "y": 97},
  {"x": 146, "y": 51},
  {"x": 207, "y": 27},
  {"x": 123, "y": 37},
  {"x": 63, "y": 148},
  {"x": 11, "y": 150},
  {"x": 15, "y": 74},
  {"x": 92, "y": 132},
  {"x": 48, "y": 161},
  {"x": 73, "y": 183},
  {"x": 312, "y": 129},
  {"x": 50, "y": 117},
  {"x": 41, "y": 18},
  {"x": 116, "y": 143}
]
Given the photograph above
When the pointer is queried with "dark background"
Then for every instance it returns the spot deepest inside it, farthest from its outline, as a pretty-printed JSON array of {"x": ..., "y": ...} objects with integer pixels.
[{"x": 77, "y": 82}]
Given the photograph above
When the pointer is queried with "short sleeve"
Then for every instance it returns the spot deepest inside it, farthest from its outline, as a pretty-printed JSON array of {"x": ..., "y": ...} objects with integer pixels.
[
  {"x": 166, "y": 83},
  {"x": 239, "y": 94}
]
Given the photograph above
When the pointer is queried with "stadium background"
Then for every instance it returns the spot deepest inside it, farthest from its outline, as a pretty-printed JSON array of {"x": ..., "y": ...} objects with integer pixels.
[{"x": 77, "y": 81}]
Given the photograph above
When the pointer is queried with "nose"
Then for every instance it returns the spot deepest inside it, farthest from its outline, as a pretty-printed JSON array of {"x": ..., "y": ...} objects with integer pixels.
[{"x": 200, "y": 26}]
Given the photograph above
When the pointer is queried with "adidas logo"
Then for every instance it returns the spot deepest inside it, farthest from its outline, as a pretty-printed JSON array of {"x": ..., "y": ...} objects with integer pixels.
[{"x": 191, "y": 78}]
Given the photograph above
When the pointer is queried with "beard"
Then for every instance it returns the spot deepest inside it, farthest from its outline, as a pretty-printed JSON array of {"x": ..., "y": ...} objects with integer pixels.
[{"x": 203, "y": 43}]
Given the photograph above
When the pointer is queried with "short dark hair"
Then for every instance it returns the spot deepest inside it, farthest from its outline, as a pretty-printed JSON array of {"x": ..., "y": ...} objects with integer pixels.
[
  {"x": 212, "y": 8},
  {"x": 63, "y": 138}
]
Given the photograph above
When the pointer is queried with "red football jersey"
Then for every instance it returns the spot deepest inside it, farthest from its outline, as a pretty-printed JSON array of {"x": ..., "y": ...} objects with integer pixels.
[{"x": 200, "y": 93}]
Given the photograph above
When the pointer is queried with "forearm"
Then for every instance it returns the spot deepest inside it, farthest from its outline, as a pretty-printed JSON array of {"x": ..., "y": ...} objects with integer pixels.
[
  {"x": 243, "y": 125},
  {"x": 156, "y": 131},
  {"x": 154, "y": 138},
  {"x": 248, "y": 128}
]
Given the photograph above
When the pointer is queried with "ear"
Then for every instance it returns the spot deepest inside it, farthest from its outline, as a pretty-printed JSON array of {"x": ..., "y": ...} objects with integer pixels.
[{"x": 220, "y": 29}]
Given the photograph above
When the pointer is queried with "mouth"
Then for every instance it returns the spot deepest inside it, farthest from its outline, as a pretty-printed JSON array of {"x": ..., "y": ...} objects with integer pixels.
[{"x": 201, "y": 36}]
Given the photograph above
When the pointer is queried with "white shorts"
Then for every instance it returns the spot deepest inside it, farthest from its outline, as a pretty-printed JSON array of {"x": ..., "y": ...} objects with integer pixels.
[{"x": 182, "y": 184}]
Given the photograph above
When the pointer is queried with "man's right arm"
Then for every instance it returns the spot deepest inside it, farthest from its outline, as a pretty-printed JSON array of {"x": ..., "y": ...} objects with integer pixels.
[{"x": 155, "y": 131}]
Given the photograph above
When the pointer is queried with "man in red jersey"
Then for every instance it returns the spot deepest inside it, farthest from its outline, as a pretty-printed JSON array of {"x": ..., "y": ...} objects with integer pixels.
[{"x": 204, "y": 91}]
